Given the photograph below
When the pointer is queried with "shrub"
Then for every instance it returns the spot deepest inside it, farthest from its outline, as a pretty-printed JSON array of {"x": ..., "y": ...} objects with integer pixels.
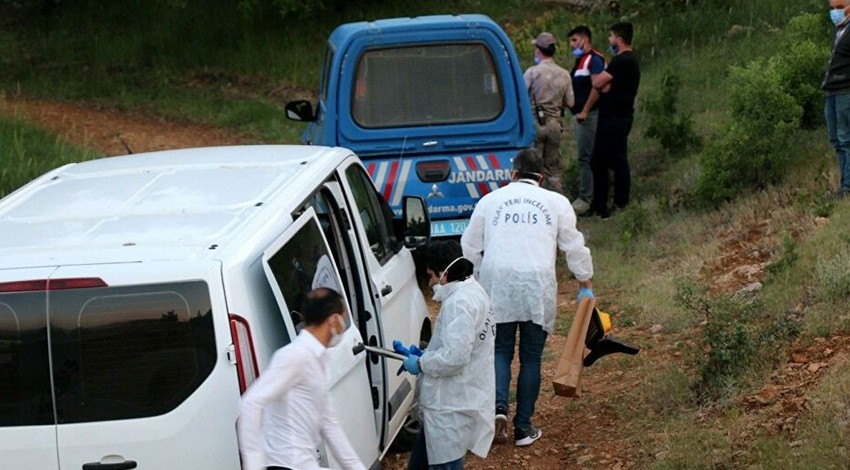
[
  {"x": 673, "y": 130},
  {"x": 635, "y": 222},
  {"x": 800, "y": 65},
  {"x": 752, "y": 153},
  {"x": 730, "y": 342}
]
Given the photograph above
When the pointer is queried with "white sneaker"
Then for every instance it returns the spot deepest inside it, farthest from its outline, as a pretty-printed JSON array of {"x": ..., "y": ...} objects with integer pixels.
[
  {"x": 581, "y": 206},
  {"x": 527, "y": 437}
]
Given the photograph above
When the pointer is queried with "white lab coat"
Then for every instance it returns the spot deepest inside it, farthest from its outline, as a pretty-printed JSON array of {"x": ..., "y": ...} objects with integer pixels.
[
  {"x": 512, "y": 240},
  {"x": 457, "y": 394}
]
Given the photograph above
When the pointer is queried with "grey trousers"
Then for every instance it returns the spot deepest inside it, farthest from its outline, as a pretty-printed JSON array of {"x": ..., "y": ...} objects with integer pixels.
[{"x": 585, "y": 134}]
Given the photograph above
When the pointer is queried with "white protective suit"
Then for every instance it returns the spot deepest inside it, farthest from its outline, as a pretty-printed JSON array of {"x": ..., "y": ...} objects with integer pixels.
[
  {"x": 512, "y": 240},
  {"x": 457, "y": 384}
]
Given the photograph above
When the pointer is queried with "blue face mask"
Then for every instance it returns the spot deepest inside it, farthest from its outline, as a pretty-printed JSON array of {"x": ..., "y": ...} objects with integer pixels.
[
  {"x": 536, "y": 59},
  {"x": 578, "y": 52},
  {"x": 836, "y": 15},
  {"x": 613, "y": 48}
]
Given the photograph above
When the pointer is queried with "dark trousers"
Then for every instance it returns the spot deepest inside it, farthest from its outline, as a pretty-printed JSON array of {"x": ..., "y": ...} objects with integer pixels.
[
  {"x": 419, "y": 457},
  {"x": 610, "y": 153}
]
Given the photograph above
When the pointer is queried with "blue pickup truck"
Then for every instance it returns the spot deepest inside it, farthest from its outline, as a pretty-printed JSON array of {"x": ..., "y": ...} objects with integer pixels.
[{"x": 435, "y": 106}]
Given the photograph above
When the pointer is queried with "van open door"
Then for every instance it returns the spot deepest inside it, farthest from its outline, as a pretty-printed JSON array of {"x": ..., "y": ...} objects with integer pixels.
[{"x": 297, "y": 262}]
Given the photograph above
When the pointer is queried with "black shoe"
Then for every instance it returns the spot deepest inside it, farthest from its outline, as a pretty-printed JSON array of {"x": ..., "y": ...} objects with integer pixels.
[
  {"x": 602, "y": 213},
  {"x": 526, "y": 437},
  {"x": 501, "y": 436}
]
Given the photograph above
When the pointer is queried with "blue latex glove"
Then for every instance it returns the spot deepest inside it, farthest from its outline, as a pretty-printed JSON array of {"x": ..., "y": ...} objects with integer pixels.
[
  {"x": 411, "y": 364},
  {"x": 398, "y": 347},
  {"x": 584, "y": 292}
]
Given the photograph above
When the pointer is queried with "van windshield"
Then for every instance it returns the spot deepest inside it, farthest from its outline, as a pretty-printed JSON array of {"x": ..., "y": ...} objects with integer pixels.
[
  {"x": 426, "y": 85},
  {"x": 117, "y": 352}
]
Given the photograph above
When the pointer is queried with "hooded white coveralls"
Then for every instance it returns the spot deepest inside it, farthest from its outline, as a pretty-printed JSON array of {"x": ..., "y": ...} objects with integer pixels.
[
  {"x": 457, "y": 380},
  {"x": 512, "y": 238}
]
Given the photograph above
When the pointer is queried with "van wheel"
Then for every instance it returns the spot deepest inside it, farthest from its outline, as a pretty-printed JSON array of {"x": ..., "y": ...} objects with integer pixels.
[{"x": 405, "y": 438}]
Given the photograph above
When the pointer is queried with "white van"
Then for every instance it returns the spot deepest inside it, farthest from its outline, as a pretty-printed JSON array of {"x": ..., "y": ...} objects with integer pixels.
[{"x": 140, "y": 295}]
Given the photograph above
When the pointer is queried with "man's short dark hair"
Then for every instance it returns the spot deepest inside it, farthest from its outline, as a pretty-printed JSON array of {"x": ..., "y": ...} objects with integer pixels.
[
  {"x": 547, "y": 51},
  {"x": 441, "y": 253},
  {"x": 528, "y": 163},
  {"x": 581, "y": 30},
  {"x": 624, "y": 30},
  {"x": 319, "y": 304}
]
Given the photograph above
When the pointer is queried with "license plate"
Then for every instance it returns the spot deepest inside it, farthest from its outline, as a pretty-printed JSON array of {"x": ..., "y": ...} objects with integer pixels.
[{"x": 448, "y": 228}]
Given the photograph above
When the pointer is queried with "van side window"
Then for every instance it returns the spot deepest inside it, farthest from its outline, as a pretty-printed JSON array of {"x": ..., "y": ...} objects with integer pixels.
[
  {"x": 129, "y": 351},
  {"x": 328, "y": 212},
  {"x": 25, "y": 398},
  {"x": 463, "y": 86},
  {"x": 372, "y": 214},
  {"x": 302, "y": 264}
]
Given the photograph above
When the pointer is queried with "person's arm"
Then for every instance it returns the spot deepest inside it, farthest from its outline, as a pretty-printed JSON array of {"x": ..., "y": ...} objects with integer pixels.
[
  {"x": 601, "y": 80},
  {"x": 571, "y": 242},
  {"x": 569, "y": 96},
  {"x": 450, "y": 358},
  {"x": 472, "y": 239},
  {"x": 528, "y": 80},
  {"x": 588, "y": 105},
  {"x": 281, "y": 375},
  {"x": 336, "y": 439}
]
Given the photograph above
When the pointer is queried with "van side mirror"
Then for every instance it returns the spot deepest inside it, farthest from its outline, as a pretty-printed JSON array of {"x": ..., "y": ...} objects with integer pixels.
[
  {"x": 300, "y": 110},
  {"x": 417, "y": 222}
]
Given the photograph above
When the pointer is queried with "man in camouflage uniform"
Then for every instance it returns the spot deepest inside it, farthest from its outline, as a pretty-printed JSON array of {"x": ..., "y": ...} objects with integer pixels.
[{"x": 551, "y": 90}]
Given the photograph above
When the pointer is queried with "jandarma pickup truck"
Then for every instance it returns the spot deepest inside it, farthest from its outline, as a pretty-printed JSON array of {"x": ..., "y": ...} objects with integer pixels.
[{"x": 436, "y": 106}]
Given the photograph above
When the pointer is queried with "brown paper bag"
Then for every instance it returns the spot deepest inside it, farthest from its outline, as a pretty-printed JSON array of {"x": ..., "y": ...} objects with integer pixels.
[{"x": 568, "y": 371}]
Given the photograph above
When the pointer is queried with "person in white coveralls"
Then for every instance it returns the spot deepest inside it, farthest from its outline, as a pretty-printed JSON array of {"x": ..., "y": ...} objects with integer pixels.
[
  {"x": 513, "y": 239},
  {"x": 456, "y": 383}
]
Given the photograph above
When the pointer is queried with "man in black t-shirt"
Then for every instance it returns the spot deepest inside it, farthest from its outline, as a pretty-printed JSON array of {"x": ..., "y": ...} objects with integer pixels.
[{"x": 617, "y": 86}]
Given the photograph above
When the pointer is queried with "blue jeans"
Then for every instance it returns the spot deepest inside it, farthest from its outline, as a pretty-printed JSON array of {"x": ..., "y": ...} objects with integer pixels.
[
  {"x": 585, "y": 134},
  {"x": 419, "y": 457},
  {"x": 837, "y": 112},
  {"x": 532, "y": 338}
]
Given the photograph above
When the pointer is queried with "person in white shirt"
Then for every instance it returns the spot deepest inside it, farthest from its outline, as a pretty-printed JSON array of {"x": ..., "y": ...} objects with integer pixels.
[
  {"x": 287, "y": 411},
  {"x": 456, "y": 378},
  {"x": 513, "y": 239}
]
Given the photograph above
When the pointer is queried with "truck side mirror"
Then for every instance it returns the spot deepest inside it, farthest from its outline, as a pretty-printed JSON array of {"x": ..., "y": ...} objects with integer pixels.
[
  {"x": 417, "y": 222},
  {"x": 300, "y": 110}
]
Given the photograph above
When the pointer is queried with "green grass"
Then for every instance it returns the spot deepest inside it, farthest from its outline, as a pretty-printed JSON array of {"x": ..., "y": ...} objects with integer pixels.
[{"x": 29, "y": 151}]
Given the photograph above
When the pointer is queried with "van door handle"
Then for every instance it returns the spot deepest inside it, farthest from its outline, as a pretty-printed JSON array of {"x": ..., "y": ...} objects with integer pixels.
[
  {"x": 386, "y": 290},
  {"x": 126, "y": 465}
]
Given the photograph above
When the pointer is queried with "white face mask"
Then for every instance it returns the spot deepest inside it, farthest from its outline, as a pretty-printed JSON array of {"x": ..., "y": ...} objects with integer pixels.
[
  {"x": 336, "y": 336},
  {"x": 439, "y": 292}
]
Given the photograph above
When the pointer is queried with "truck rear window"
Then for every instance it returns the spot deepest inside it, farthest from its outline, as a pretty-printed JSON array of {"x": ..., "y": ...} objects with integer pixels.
[
  {"x": 117, "y": 352},
  {"x": 426, "y": 85}
]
